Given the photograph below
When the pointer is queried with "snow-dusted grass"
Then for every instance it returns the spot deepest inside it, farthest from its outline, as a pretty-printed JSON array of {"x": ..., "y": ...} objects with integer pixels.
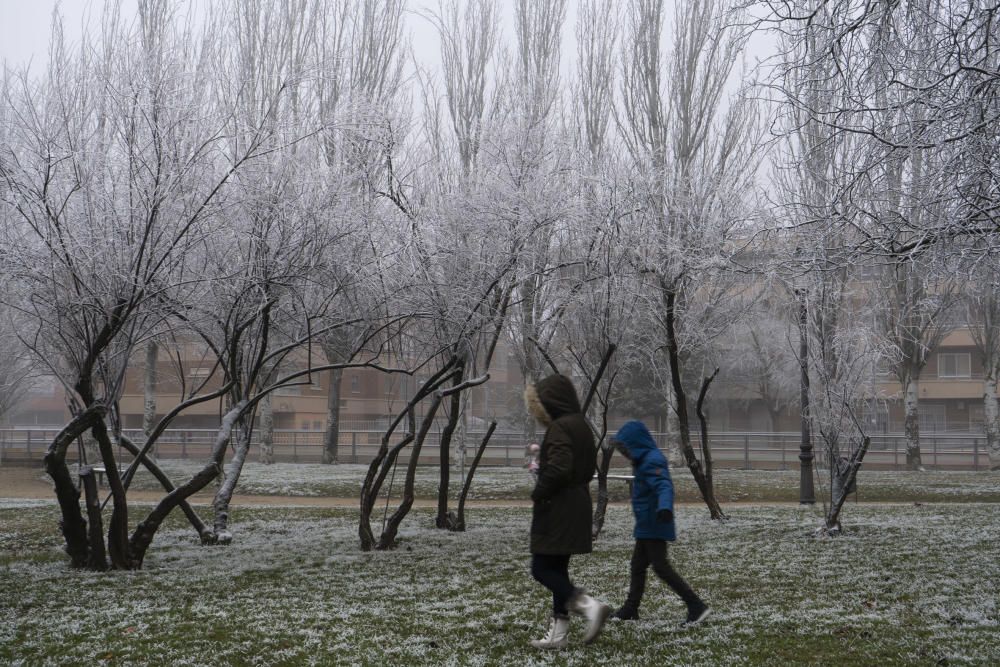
[
  {"x": 905, "y": 585},
  {"x": 495, "y": 483}
]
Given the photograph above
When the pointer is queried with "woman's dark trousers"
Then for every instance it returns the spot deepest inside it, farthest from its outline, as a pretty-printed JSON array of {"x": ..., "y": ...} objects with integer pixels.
[{"x": 553, "y": 573}]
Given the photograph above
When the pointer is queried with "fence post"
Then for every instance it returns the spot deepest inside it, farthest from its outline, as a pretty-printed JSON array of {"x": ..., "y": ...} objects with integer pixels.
[
  {"x": 975, "y": 454},
  {"x": 354, "y": 446},
  {"x": 784, "y": 466},
  {"x": 895, "y": 453},
  {"x": 295, "y": 446},
  {"x": 934, "y": 441},
  {"x": 28, "y": 441},
  {"x": 506, "y": 451},
  {"x": 746, "y": 451}
]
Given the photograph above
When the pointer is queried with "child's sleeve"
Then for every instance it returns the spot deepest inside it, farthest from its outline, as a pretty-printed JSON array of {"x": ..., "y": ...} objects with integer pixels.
[{"x": 658, "y": 477}]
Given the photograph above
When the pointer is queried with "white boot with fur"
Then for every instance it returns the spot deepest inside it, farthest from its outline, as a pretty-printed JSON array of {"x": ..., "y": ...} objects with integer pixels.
[
  {"x": 557, "y": 636},
  {"x": 592, "y": 609}
]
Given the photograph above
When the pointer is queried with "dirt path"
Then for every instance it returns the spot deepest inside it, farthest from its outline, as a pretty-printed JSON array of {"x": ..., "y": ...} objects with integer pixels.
[{"x": 31, "y": 483}]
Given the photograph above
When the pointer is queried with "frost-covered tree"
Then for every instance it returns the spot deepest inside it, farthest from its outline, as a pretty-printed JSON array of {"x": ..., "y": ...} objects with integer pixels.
[
  {"x": 118, "y": 163},
  {"x": 16, "y": 362},
  {"x": 982, "y": 310},
  {"x": 359, "y": 56},
  {"x": 693, "y": 159}
]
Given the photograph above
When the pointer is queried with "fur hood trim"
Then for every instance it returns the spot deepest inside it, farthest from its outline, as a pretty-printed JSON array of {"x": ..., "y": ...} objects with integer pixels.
[{"x": 534, "y": 405}]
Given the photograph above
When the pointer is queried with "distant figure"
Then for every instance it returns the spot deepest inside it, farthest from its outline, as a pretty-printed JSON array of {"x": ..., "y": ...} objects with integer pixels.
[
  {"x": 653, "y": 507},
  {"x": 561, "y": 514},
  {"x": 531, "y": 459}
]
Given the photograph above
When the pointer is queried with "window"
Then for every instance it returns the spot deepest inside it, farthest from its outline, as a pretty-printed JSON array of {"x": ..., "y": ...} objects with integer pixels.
[
  {"x": 977, "y": 417},
  {"x": 954, "y": 365},
  {"x": 355, "y": 384},
  {"x": 932, "y": 417}
]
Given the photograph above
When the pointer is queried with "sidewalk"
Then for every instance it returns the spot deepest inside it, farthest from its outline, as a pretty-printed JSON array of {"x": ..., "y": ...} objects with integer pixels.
[{"x": 33, "y": 484}]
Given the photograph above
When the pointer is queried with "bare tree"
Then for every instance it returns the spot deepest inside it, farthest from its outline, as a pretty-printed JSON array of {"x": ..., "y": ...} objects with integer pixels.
[
  {"x": 982, "y": 308},
  {"x": 130, "y": 165},
  {"x": 696, "y": 163},
  {"x": 914, "y": 320},
  {"x": 15, "y": 360}
]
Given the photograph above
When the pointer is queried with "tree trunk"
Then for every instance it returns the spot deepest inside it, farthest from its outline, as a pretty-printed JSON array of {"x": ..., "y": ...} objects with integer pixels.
[
  {"x": 231, "y": 476},
  {"x": 680, "y": 403},
  {"x": 97, "y": 559},
  {"x": 196, "y": 522},
  {"x": 458, "y": 524},
  {"x": 991, "y": 421},
  {"x": 331, "y": 438},
  {"x": 266, "y": 430},
  {"x": 387, "y": 540},
  {"x": 911, "y": 424},
  {"x": 143, "y": 534},
  {"x": 149, "y": 389},
  {"x": 385, "y": 458},
  {"x": 845, "y": 479},
  {"x": 118, "y": 543},
  {"x": 444, "y": 458},
  {"x": 601, "y": 506},
  {"x": 706, "y": 450},
  {"x": 73, "y": 525}
]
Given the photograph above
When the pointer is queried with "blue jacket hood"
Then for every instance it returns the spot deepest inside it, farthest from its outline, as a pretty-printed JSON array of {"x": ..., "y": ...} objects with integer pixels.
[{"x": 636, "y": 437}]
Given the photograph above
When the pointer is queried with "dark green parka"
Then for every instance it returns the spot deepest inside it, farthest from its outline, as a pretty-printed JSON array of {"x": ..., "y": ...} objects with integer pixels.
[{"x": 561, "y": 516}]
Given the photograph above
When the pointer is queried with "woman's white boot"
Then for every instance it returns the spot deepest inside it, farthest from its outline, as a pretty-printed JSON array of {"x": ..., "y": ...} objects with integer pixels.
[
  {"x": 557, "y": 636},
  {"x": 592, "y": 609}
]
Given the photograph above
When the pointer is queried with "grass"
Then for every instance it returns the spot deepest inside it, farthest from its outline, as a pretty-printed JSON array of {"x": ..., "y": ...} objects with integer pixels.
[
  {"x": 503, "y": 483},
  {"x": 905, "y": 585}
]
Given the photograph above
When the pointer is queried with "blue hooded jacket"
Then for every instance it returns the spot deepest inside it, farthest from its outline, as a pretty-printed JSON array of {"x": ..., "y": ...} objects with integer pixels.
[{"x": 652, "y": 489}]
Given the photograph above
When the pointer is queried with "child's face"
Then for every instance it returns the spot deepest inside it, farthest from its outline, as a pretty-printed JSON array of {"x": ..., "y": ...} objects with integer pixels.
[{"x": 622, "y": 449}]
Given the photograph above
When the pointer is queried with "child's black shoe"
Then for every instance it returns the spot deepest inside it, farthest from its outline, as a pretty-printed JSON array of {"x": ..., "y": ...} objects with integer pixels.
[{"x": 626, "y": 614}]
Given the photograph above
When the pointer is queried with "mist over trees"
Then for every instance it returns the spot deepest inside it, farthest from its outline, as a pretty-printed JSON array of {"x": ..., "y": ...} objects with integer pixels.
[{"x": 288, "y": 185}]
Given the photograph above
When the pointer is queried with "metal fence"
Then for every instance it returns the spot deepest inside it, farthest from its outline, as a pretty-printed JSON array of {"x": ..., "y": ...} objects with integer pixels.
[{"x": 742, "y": 450}]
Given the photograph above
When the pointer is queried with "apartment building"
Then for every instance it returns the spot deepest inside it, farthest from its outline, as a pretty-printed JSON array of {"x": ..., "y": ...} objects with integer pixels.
[{"x": 368, "y": 398}]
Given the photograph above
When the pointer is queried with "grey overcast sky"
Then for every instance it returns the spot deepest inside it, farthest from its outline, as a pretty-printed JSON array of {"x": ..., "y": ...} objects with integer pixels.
[{"x": 25, "y": 26}]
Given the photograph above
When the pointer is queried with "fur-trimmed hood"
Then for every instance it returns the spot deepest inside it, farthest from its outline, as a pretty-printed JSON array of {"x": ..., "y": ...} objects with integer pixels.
[{"x": 550, "y": 398}]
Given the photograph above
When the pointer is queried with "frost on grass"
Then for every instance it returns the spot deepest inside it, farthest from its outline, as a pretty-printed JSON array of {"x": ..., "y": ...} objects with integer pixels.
[
  {"x": 494, "y": 483},
  {"x": 903, "y": 585}
]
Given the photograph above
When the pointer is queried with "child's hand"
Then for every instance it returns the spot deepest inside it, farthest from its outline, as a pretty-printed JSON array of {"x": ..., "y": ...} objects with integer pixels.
[{"x": 664, "y": 516}]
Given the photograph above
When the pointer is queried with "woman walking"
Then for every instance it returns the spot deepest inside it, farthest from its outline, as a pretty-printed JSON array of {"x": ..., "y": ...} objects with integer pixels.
[{"x": 561, "y": 514}]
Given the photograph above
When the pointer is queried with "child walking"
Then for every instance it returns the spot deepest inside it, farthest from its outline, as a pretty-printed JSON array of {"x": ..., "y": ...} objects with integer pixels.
[{"x": 653, "y": 507}]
